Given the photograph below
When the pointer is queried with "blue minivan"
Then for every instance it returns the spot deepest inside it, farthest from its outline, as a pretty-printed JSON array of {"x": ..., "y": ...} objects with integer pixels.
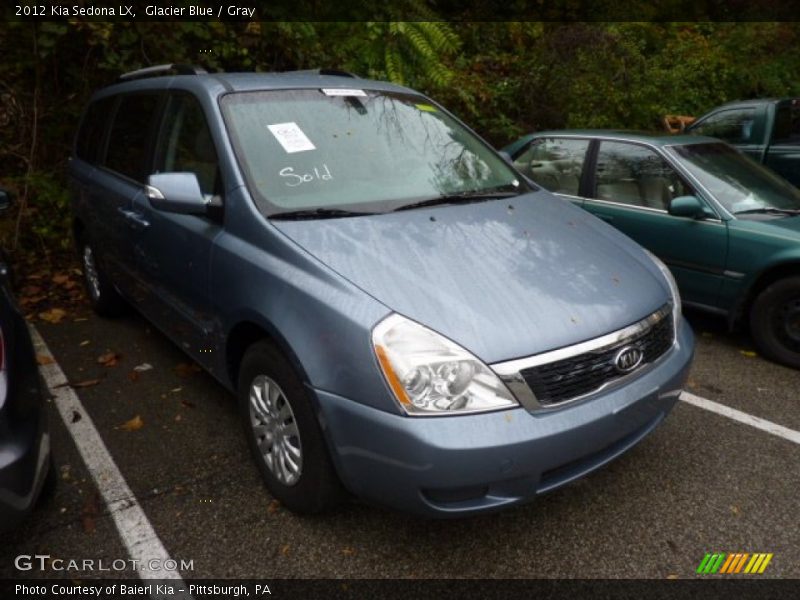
[{"x": 401, "y": 314}]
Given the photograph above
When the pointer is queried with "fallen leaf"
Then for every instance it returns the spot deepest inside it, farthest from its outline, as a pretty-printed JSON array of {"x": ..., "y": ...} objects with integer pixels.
[
  {"x": 60, "y": 279},
  {"x": 186, "y": 369},
  {"x": 735, "y": 510},
  {"x": 348, "y": 551},
  {"x": 672, "y": 576},
  {"x": 54, "y": 315},
  {"x": 142, "y": 367},
  {"x": 176, "y": 390},
  {"x": 85, "y": 383},
  {"x": 274, "y": 506},
  {"x": 89, "y": 511},
  {"x": 43, "y": 359},
  {"x": 285, "y": 549},
  {"x": 748, "y": 353},
  {"x": 134, "y": 424},
  {"x": 85, "y": 343},
  {"x": 178, "y": 417},
  {"x": 109, "y": 359},
  {"x": 187, "y": 404}
]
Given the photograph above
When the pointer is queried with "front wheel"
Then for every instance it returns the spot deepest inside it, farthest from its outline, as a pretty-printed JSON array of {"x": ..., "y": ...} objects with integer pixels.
[
  {"x": 283, "y": 433},
  {"x": 775, "y": 322}
]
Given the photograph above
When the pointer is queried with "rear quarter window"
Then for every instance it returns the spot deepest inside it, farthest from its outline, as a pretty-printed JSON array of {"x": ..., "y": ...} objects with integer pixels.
[
  {"x": 735, "y": 126},
  {"x": 787, "y": 124},
  {"x": 89, "y": 141},
  {"x": 130, "y": 136}
]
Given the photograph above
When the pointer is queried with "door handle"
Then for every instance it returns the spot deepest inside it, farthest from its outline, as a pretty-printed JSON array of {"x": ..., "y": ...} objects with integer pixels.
[{"x": 135, "y": 220}]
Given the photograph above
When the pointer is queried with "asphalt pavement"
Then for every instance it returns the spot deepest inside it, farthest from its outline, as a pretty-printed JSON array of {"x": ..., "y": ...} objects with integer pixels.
[{"x": 700, "y": 483}]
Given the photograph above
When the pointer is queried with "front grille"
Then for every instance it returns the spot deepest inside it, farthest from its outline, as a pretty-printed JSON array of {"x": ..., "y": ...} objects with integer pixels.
[{"x": 563, "y": 380}]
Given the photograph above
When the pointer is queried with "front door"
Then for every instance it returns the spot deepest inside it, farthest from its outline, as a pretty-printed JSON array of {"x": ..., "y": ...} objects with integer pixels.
[
  {"x": 173, "y": 250},
  {"x": 631, "y": 188}
]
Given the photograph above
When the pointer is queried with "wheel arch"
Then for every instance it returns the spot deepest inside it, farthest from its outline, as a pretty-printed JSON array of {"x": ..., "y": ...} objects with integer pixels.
[
  {"x": 246, "y": 332},
  {"x": 761, "y": 282}
]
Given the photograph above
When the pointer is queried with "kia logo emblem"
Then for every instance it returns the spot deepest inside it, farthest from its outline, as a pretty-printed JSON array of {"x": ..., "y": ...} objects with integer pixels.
[{"x": 628, "y": 358}]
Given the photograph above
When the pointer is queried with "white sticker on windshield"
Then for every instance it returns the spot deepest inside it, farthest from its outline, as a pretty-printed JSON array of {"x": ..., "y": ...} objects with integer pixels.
[
  {"x": 291, "y": 137},
  {"x": 342, "y": 92}
]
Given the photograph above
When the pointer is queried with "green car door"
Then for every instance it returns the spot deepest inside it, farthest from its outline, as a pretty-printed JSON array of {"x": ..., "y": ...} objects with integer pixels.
[{"x": 631, "y": 186}]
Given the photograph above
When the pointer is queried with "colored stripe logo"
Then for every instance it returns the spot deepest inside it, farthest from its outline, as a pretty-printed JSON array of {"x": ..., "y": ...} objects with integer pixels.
[{"x": 734, "y": 563}]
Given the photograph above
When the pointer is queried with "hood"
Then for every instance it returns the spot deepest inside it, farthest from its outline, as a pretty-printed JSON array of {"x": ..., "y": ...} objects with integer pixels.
[
  {"x": 503, "y": 278},
  {"x": 788, "y": 226},
  {"x": 784, "y": 229}
]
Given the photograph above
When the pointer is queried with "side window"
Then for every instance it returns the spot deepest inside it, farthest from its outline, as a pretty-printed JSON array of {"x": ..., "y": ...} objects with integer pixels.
[
  {"x": 787, "y": 124},
  {"x": 186, "y": 143},
  {"x": 128, "y": 142},
  {"x": 636, "y": 175},
  {"x": 554, "y": 163},
  {"x": 735, "y": 126},
  {"x": 88, "y": 144}
]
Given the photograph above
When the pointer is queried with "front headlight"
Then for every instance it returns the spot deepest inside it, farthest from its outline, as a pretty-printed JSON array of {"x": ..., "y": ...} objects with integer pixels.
[
  {"x": 430, "y": 375},
  {"x": 673, "y": 288}
]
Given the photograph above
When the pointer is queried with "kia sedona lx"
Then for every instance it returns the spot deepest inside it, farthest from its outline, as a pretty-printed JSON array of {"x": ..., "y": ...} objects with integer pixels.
[{"x": 400, "y": 314}]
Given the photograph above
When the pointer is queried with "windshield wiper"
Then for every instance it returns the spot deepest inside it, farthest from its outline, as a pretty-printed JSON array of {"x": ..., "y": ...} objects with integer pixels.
[
  {"x": 769, "y": 210},
  {"x": 319, "y": 213},
  {"x": 459, "y": 197}
]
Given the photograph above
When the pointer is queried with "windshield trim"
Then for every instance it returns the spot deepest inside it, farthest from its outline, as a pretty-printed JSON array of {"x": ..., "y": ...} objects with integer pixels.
[
  {"x": 682, "y": 160},
  {"x": 723, "y": 214},
  {"x": 268, "y": 209}
]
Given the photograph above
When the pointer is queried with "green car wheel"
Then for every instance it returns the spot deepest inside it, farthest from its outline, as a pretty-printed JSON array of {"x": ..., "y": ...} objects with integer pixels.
[{"x": 775, "y": 321}]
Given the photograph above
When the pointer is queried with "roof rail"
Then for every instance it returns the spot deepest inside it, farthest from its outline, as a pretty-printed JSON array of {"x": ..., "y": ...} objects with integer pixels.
[
  {"x": 332, "y": 72},
  {"x": 156, "y": 70},
  {"x": 337, "y": 73}
]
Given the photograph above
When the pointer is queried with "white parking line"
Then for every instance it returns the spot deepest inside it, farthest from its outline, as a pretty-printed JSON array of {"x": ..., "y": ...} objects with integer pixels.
[
  {"x": 134, "y": 528},
  {"x": 742, "y": 417}
]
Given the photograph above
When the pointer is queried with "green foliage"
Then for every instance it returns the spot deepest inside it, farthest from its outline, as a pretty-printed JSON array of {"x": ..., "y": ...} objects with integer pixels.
[
  {"x": 48, "y": 209},
  {"x": 504, "y": 79},
  {"x": 409, "y": 53}
]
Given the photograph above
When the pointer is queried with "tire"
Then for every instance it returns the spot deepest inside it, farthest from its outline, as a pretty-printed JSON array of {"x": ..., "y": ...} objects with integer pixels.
[
  {"x": 775, "y": 322},
  {"x": 103, "y": 297},
  {"x": 274, "y": 404}
]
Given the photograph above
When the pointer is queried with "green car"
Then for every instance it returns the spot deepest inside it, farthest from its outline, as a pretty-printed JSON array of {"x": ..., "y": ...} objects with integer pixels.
[{"x": 728, "y": 228}]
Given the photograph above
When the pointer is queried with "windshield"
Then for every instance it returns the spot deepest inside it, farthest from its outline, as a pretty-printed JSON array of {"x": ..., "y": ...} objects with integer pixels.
[
  {"x": 358, "y": 150},
  {"x": 737, "y": 182}
]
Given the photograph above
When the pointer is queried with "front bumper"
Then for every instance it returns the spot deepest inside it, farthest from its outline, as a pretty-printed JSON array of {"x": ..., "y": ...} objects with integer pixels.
[{"x": 460, "y": 465}]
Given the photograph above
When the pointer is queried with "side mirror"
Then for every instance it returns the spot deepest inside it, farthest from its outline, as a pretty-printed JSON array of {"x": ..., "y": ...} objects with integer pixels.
[
  {"x": 687, "y": 206},
  {"x": 6, "y": 200},
  {"x": 176, "y": 193}
]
